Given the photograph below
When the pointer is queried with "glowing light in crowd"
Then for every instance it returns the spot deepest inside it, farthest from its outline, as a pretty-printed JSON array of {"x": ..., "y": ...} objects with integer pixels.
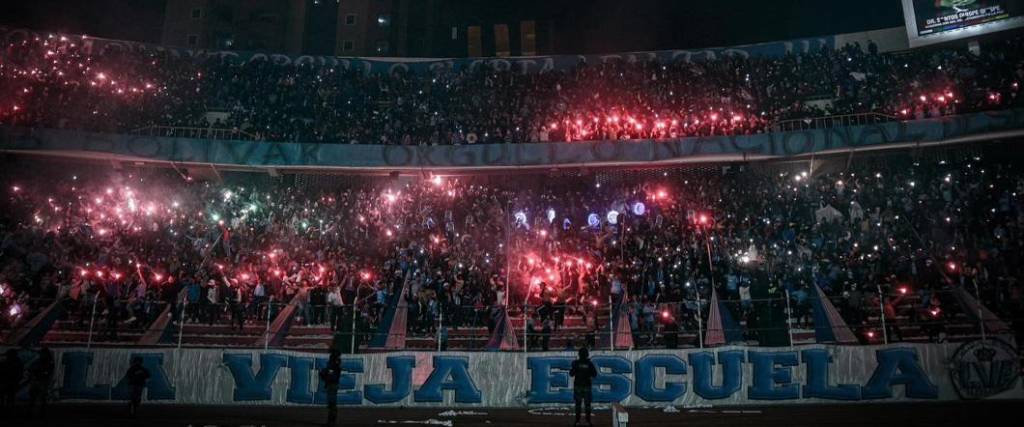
[
  {"x": 903, "y": 290},
  {"x": 551, "y": 215},
  {"x": 612, "y": 217},
  {"x": 520, "y": 218},
  {"x": 639, "y": 208},
  {"x": 436, "y": 180}
]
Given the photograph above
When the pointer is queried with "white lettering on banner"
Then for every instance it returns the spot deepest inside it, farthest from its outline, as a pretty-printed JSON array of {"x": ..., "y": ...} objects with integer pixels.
[{"x": 686, "y": 378}]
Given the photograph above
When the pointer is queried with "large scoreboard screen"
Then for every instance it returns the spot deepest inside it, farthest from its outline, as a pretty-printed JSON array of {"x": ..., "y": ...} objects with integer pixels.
[{"x": 937, "y": 21}]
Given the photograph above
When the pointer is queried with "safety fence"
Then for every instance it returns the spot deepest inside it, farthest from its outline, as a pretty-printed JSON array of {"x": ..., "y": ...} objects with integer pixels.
[
  {"x": 196, "y": 132},
  {"x": 782, "y": 319}
]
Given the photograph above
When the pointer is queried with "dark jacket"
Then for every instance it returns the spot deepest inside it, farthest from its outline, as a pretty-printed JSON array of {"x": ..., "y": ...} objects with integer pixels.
[
  {"x": 137, "y": 375},
  {"x": 331, "y": 375},
  {"x": 583, "y": 372}
]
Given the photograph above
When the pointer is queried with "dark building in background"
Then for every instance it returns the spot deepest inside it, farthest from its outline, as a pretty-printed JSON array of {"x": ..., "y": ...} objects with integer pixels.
[
  {"x": 459, "y": 28},
  {"x": 272, "y": 25},
  {"x": 445, "y": 28},
  {"x": 407, "y": 28}
]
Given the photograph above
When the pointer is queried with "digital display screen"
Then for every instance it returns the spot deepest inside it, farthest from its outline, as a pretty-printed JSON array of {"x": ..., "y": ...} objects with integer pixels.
[{"x": 937, "y": 21}]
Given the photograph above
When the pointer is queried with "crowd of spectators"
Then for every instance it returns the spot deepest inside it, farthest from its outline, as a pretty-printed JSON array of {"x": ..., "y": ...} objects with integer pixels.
[
  {"x": 120, "y": 246},
  {"x": 51, "y": 81}
]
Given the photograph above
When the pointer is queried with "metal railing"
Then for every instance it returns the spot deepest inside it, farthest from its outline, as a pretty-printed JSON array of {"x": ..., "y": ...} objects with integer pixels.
[
  {"x": 779, "y": 320},
  {"x": 830, "y": 122},
  {"x": 195, "y": 132}
]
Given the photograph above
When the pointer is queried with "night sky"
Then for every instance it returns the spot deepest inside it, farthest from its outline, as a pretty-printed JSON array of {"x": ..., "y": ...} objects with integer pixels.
[{"x": 595, "y": 25}]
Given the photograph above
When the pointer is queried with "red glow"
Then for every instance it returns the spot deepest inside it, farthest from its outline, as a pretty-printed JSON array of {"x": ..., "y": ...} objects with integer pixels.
[
  {"x": 903, "y": 290},
  {"x": 664, "y": 314},
  {"x": 871, "y": 334}
]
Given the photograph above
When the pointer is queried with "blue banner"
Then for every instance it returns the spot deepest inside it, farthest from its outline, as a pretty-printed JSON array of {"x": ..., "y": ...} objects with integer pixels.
[
  {"x": 728, "y": 375},
  {"x": 491, "y": 156}
]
